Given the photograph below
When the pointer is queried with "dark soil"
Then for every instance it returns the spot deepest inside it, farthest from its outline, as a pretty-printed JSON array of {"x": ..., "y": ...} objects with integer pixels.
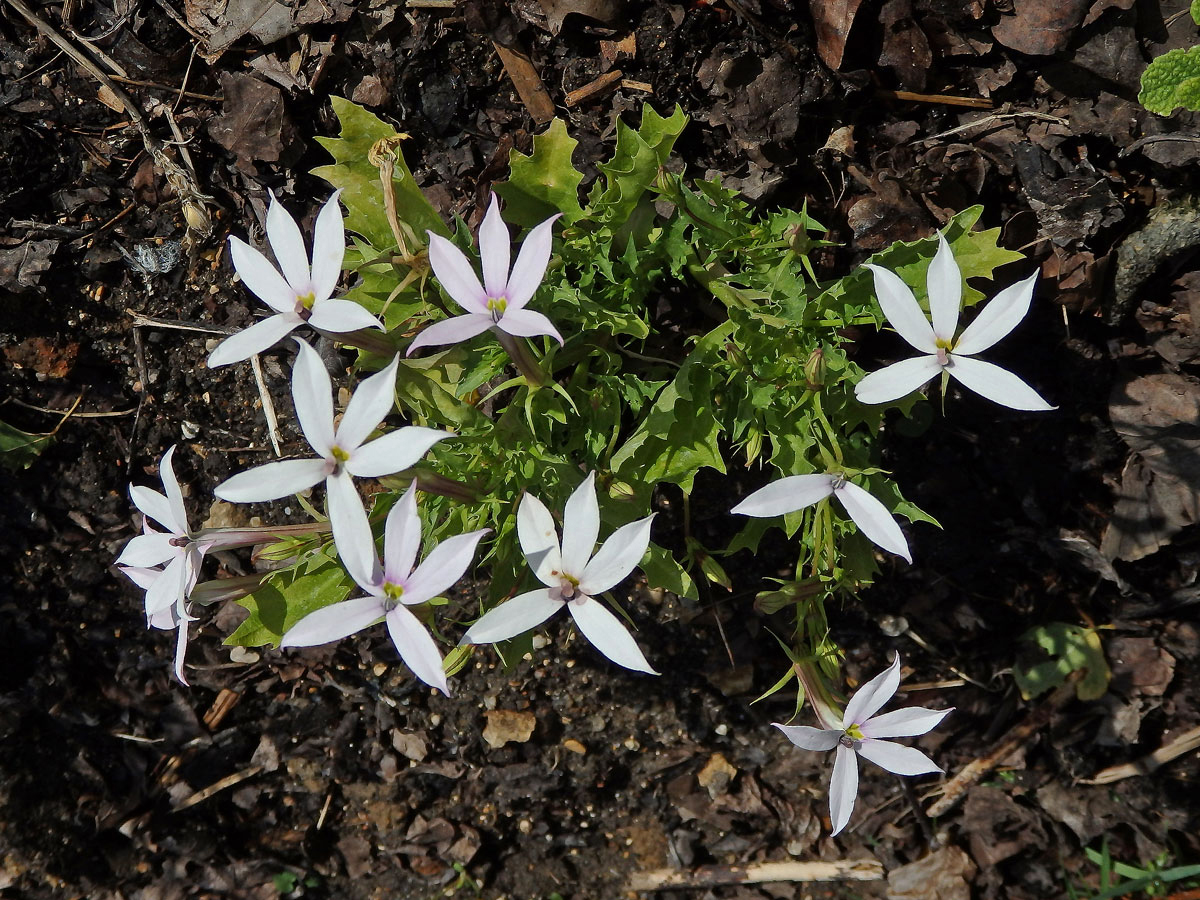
[{"x": 332, "y": 773}]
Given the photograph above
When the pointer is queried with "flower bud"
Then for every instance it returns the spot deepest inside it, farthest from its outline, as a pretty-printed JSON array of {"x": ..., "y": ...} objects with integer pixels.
[
  {"x": 620, "y": 490},
  {"x": 815, "y": 370},
  {"x": 197, "y": 218}
]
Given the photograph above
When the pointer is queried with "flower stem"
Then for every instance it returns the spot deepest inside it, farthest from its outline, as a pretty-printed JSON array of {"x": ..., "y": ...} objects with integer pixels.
[
  {"x": 518, "y": 352},
  {"x": 369, "y": 339},
  {"x": 817, "y": 692}
]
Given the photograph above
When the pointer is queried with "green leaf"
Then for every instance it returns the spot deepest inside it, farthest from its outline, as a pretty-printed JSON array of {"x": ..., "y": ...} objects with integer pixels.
[
  {"x": 1195, "y": 11},
  {"x": 288, "y": 597},
  {"x": 1172, "y": 80},
  {"x": 362, "y": 194},
  {"x": 1071, "y": 649},
  {"x": 665, "y": 573},
  {"x": 545, "y": 182},
  {"x": 634, "y": 165},
  {"x": 19, "y": 449}
]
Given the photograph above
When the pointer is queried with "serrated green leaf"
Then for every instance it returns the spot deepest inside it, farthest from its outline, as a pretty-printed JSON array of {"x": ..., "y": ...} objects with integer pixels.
[
  {"x": 362, "y": 194},
  {"x": 1071, "y": 649},
  {"x": 286, "y": 598},
  {"x": 545, "y": 182},
  {"x": 662, "y": 571},
  {"x": 1171, "y": 81},
  {"x": 634, "y": 165},
  {"x": 1194, "y": 9},
  {"x": 18, "y": 449}
]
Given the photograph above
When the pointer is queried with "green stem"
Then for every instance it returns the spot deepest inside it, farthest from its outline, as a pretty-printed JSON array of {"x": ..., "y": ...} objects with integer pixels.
[
  {"x": 518, "y": 351},
  {"x": 369, "y": 339}
]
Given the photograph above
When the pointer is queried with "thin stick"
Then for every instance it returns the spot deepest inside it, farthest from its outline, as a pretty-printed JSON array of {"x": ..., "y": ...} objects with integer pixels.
[
  {"x": 1185, "y": 743},
  {"x": 77, "y": 415},
  {"x": 178, "y": 324},
  {"x": 713, "y": 876},
  {"x": 947, "y": 99},
  {"x": 215, "y": 788},
  {"x": 267, "y": 405}
]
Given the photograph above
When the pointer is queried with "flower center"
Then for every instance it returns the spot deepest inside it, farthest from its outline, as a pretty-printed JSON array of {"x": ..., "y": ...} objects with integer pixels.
[
  {"x": 854, "y": 732},
  {"x": 392, "y": 594},
  {"x": 304, "y": 305},
  {"x": 943, "y": 352},
  {"x": 180, "y": 541},
  {"x": 838, "y": 481},
  {"x": 568, "y": 586},
  {"x": 496, "y": 306},
  {"x": 340, "y": 457}
]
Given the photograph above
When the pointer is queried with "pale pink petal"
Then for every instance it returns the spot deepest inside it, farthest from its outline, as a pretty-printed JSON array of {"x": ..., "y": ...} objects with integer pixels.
[
  {"x": 166, "y": 472},
  {"x": 608, "y": 634},
  {"x": 904, "y": 722},
  {"x": 454, "y": 272},
  {"x": 450, "y": 331},
  {"x": 997, "y": 384},
  {"x": 401, "y": 537},
  {"x": 181, "y": 639},
  {"x": 443, "y": 567},
  {"x": 329, "y": 248},
  {"x": 417, "y": 648},
  {"x": 272, "y": 481},
  {"x": 1001, "y": 315},
  {"x": 617, "y": 557},
  {"x": 902, "y": 310},
  {"x": 897, "y": 380},
  {"x": 581, "y": 527},
  {"x": 494, "y": 250},
  {"x": 539, "y": 540},
  {"x": 148, "y": 550},
  {"x": 349, "y": 522},
  {"x": 785, "y": 495},
  {"x": 515, "y": 616},
  {"x": 141, "y": 576},
  {"x": 531, "y": 264},
  {"x": 873, "y": 519},
  {"x": 843, "y": 788},
  {"x": 897, "y": 758},
  {"x": 260, "y": 277},
  {"x": 872, "y": 695},
  {"x": 154, "y": 505},
  {"x": 340, "y": 316},
  {"x": 372, "y": 400},
  {"x": 258, "y": 338},
  {"x": 944, "y": 283},
  {"x": 288, "y": 246},
  {"x": 164, "y": 620},
  {"x": 312, "y": 394},
  {"x": 808, "y": 738},
  {"x": 528, "y": 323},
  {"x": 333, "y": 622},
  {"x": 169, "y": 589},
  {"x": 394, "y": 452}
]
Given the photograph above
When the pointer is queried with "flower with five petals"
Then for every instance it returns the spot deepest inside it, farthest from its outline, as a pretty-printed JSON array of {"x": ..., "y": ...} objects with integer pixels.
[
  {"x": 861, "y": 734},
  {"x": 798, "y": 491},
  {"x": 174, "y": 615},
  {"x": 572, "y": 576},
  {"x": 393, "y": 587},
  {"x": 343, "y": 453},
  {"x": 297, "y": 292},
  {"x": 499, "y": 303},
  {"x": 945, "y": 354}
]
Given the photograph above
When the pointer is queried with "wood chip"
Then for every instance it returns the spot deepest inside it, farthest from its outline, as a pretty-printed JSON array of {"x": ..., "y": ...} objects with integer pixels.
[
  {"x": 606, "y": 82},
  {"x": 528, "y": 83}
]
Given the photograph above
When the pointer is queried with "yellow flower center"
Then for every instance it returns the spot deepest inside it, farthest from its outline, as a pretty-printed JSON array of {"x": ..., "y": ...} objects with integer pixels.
[
  {"x": 496, "y": 306},
  {"x": 307, "y": 300},
  {"x": 855, "y": 733}
]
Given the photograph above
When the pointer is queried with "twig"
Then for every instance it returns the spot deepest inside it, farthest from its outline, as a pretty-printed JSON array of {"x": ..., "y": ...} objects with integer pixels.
[
  {"x": 216, "y": 787},
  {"x": 527, "y": 81},
  {"x": 267, "y": 405},
  {"x": 594, "y": 89},
  {"x": 994, "y": 119},
  {"x": 1185, "y": 743},
  {"x": 947, "y": 99},
  {"x": 178, "y": 324},
  {"x": 759, "y": 873},
  {"x": 69, "y": 412}
]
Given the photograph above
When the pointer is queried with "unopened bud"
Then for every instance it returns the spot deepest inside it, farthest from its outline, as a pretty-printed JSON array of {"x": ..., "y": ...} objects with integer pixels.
[
  {"x": 620, "y": 490},
  {"x": 814, "y": 370},
  {"x": 197, "y": 218},
  {"x": 753, "y": 446}
]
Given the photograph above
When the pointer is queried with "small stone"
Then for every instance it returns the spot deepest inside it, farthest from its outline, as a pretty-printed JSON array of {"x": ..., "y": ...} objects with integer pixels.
[
  {"x": 716, "y": 775},
  {"x": 574, "y": 746},
  {"x": 379, "y": 668},
  {"x": 505, "y": 725}
]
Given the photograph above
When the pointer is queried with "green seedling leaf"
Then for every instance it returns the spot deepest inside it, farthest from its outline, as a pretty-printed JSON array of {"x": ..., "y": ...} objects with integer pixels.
[
  {"x": 18, "y": 449},
  {"x": 1172, "y": 80},
  {"x": 634, "y": 165},
  {"x": 665, "y": 573},
  {"x": 1071, "y": 649},
  {"x": 362, "y": 194},
  {"x": 545, "y": 182},
  {"x": 287, "y": 598}
]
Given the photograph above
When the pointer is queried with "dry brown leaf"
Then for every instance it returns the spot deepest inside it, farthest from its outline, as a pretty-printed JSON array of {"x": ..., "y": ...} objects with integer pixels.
[
  {"x": 833, "y": 19},
  {"x": 1040, "y": 28}
]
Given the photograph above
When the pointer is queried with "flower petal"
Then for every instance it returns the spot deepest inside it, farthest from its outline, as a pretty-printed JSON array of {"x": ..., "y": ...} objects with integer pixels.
[
  {"x": 873, "y": 519},
  {"x": 272, "y": 481},
  {"x": 350, "y": 525},
  {"x": 897, "y": 758},
  {"x": 288, "y": 246},
  {"x": 340, "y": 316},
  {"x": 401, "y": 537},
  {"x": 997, "y": 384},
  {"x": 166, "y": 471},
  {"x": 808, "y": 738},
  {"x": 169, "y": 589},
  {"x": 872, "y": 695},
  {"x": 148, "y": 550},
  {"x": 260, "y": 277},
  {"x": 258, "y": 338},
  {"x": 312, "y": 394},
  {"x": 581, "y": 527},
  {"x": 902, "y": 310},
  {"x": 417, "y": 648},
  {"x": 907, "y": 722},
  {"x": 454, "y": 272},
  {"x": 539, "y": 540},
  {"x": 617, "y": 557},
  {"x": 451, "y": 331},
  {"x": 531, "y": 264},
  {"x": 181, "y": 639},
  {"x": 333, "y": 622},
  {"x": 843, "y": 788},
  {"x": 329, "y": 249},
  {"x": 154, "y": 505},
  {"x": 528, "y": 323},
  {"x": 394, "y": 452},
  {"x": 513, "y": 617},
  {"x": 944, "y": 283},
  {"x": 444, "y": 566},
  {"x": 494, "y": 250},
  {"x": 897, "y": 380},
  {"x": 141, "y": 576},
  {"x": 1001, "y": 315},
  {"x": 785, "y": 495},
  {"x": 372, "y": 400},
  {"x": 608, "y": 634}
]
